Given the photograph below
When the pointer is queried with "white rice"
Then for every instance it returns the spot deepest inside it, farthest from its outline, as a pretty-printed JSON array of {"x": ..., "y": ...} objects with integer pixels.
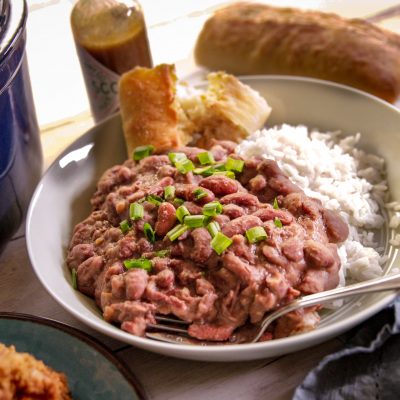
[{"x": 344, "y": 178}]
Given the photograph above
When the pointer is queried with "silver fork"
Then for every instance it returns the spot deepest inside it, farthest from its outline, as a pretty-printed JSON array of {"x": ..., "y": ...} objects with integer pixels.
[{"x": 179, "y": 334}]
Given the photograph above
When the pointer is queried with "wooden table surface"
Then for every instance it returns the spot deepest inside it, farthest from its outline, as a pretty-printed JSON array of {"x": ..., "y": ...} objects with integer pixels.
[{"x": 162, "y": 377}]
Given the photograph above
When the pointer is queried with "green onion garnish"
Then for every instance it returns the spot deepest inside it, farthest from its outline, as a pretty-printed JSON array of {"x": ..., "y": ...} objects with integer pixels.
[
  {"x": 199, "y": 194},
  {"x": 136, "y": 211},
  {"x": 206, "y": 158},
  {"x": 184, "y": 166},
  {"x": 212, "y": 209},
  {"x": 169, "y": 192},
  {"x": 181, "y": 212},
  {"x": 213, "y": 228},
  {"x": 205, "y": 171},
  {"x": 178, "y": 202},
  {"x": 154, "y": 199},
  {"x": 278, "y": 222},
  {"x": 234, "y": 165},
  {"x": 124, "y": 226},
  {"x": 220, "y": 243},
  {"x": 176, "y": 157},
  {"x": 142, "y": 263},
  {"x": 142, "y": 152},
  {"x": 276, "y": 205},
  {"x": 174, "y": 233},
  {"x": 162, "y": 253},
  {"x": 149, "y": 232},
  {"x": 229, "y": 174},
  {"x": 219, "y": 167},
  {"x": 74, "y": 279},
  {"x": 256, "y": 234},
  {"x": 195, "y": 221}
]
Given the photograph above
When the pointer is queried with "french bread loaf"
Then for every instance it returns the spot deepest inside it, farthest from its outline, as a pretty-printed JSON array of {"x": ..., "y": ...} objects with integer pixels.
[
  {"x": 156, "y": 109},
  {"x": 249, "y": 38}
]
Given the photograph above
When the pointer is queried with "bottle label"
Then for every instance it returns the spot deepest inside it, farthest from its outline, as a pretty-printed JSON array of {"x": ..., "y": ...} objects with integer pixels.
[{"x": 101, "y": 85}]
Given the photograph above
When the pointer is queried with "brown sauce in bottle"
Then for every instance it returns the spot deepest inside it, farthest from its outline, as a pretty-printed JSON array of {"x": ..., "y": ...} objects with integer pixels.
[
  {"x": 113, "y": 32},
  {"x": 110, "y": 38}
]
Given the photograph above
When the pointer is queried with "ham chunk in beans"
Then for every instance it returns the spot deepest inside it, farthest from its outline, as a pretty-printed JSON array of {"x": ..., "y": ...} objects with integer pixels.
[{"x": 135, "y": 271}]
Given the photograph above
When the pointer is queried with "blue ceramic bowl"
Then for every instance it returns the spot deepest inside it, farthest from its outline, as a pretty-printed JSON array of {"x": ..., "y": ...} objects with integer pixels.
[
  {"x": 91, "y": 370},
  {"x": 20, "y": 150}
]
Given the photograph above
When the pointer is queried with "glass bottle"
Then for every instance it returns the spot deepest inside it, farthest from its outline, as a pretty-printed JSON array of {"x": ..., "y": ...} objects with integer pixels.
[{"x": 110, "y": 38}]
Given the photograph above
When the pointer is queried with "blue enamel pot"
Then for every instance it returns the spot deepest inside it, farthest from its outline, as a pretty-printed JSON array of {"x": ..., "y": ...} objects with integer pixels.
[{"x": 20, "y": 149}]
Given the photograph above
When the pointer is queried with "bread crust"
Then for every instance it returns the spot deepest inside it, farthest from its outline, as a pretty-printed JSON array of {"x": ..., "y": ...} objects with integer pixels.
[
  {"x": 153, "y": 113},
  {"x": 150, "y": 113},
  {"x": 248, "y": 38}
]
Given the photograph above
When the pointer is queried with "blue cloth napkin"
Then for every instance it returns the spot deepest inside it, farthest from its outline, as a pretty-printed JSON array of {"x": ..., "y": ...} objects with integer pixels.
[{"x": 367, "y": 368}]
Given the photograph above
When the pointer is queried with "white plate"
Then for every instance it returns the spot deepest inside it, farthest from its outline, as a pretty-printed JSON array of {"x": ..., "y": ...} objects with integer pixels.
[{"x": 62, "y": 199}]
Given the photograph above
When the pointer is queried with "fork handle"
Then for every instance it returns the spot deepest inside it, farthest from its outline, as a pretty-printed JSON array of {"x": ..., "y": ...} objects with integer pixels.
[{"x": 390, "y": 282}]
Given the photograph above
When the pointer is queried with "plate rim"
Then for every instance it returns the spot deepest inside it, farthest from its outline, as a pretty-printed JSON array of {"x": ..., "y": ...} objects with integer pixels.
[
  {"x": 307, "y": 339},
  {"x": 86, "y": 339}
]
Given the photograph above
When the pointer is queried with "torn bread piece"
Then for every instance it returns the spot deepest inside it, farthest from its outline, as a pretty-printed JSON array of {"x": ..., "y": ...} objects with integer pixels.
[
  {"x": 158, "y": 110},
  {"x": 150, "y": 111}
]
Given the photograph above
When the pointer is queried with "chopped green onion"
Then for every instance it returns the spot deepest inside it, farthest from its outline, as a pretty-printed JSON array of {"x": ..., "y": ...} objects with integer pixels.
[
  {"x": 213, "y": 228},
  {"x": 149, "y": 232},
  {"x": 276, "y": 205},
  {"x": 199, "y": 194},
  {"x": 206, "y": 158},
  {"x": 136, "y": 211},
  {"x": 178, "y": 202},
  {"x": 176, "y": 157},
  {"x": 154, "y": 199},
  {"x": 142, "y": 263},
  {"x": 220, "y": 243},
  {"x": 162, "y": 253},
  {"x": 256, "y": 234},
  {"x": 205, "y": 171},
  {"x": 142, "y": 152},
  {"x": 278, "y": 222},
  {"x": 234, "y": 165},
  {"x": 169, "y": 192},
  {"x": 195, "y": 221},
  {"x": 212, "y": 209},
  {"x": 124, "y": 226},
  {"x": 181, "y": 212},
  {"x": 174, "y": 233},
  {"x": 229, "y": 174},
  {"x": 184, "y": 166},
  {"x": 74, "y": 279},
  {"x": 219, "y": 167}
]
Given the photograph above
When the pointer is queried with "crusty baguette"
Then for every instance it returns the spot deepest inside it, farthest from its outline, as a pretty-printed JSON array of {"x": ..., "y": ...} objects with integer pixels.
[
  {"x": 157, "y": 110},
  {"x": 248, "y": 38},
  {"x": 149, "y": 110}
]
